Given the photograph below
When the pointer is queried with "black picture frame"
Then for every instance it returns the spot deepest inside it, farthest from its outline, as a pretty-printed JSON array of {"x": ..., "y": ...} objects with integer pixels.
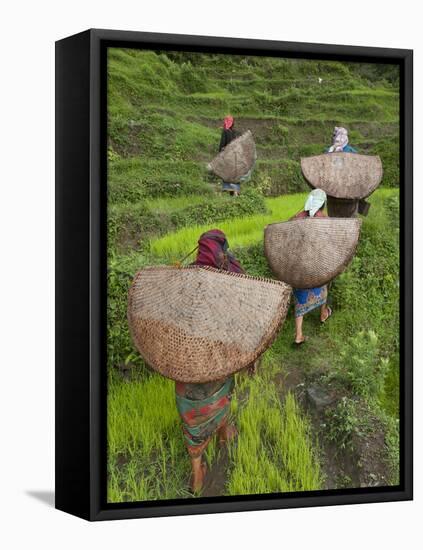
[{"x": 81, "y": 197}]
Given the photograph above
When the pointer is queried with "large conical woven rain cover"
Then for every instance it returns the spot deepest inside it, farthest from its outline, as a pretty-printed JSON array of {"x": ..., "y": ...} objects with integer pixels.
[
  {"x": 343, "y": 175},
  {"x": 197, "y": 324},
  {"x": 236, "y": 159},
  {"x": 310, "y": 252}
]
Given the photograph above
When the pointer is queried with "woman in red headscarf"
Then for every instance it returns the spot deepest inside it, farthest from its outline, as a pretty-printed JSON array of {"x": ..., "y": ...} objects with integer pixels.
[
  {"x": 205, "y": 408},
  {"x": 228, "y": 134}
]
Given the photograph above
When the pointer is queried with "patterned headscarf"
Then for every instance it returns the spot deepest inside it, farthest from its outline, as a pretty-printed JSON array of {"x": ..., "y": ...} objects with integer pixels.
[
  {"x": 340, "y": 140},
  {"x": 315, "y": 201},
  {"x": 228, "y": 122},
  {"x": 213, "y": 251}
]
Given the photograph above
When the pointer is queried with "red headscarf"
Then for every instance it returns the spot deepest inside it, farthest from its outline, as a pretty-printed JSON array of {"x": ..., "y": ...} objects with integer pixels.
[
  {"x": 228, "y": 122},
  {"x": 213, "y": 251}
]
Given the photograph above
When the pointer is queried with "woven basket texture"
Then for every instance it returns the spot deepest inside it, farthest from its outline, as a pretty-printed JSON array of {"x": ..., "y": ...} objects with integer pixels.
[
  {"x": 199, "y": 324},
  {"x": 236, "y": 159},
  {"x": 310, "y": 252},
  {"x": 343, "y": 175}
]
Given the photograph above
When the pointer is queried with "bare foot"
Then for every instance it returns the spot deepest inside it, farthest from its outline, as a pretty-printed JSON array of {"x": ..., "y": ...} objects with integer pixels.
[
  {"x": 328, "y": 314},
  {"x": 300, "y": 341},
  {"x": 197, "y": 478}
]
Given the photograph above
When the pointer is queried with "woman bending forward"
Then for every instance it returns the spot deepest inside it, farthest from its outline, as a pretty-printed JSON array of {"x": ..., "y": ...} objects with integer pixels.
[{"x": 204, "y": 408}]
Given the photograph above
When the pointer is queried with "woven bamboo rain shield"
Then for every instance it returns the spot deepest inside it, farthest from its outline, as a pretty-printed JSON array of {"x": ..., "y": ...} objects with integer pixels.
[
  {"x": 343, "y": 175},
  {"x": 198, "y": 324},
  {"x": 236, "y": 159},
  {"x": 310, "y": 252}
]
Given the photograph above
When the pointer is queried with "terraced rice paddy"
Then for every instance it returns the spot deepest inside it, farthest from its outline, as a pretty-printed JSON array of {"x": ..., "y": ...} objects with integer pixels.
[{"x": 164, "y": 118}]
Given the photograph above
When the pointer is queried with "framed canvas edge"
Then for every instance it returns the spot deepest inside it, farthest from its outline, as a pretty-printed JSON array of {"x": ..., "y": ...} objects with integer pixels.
[
  {"x": 253, "y": 505},
  {"x": 300, "y": 49},
  {"x": 98, "y": 508}
]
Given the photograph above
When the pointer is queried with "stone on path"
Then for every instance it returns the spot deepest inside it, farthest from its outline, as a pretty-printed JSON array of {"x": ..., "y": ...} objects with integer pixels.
[{"x": 319, "y": 398}]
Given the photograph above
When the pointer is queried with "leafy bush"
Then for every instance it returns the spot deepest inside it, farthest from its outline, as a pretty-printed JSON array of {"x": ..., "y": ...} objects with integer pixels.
[
  {"x": 131, "y": 180},
  {"x": 253, "y": 260},
  {"x": 285, "y": 177},
  {"x": 359, "y": 367},
  {"x": 369, "y": 289},
  {"x": 388, "y": 149},
  {"x": 342, "y": 422},
  {"x": 354, "y": 424},
  {"x": 249, "y": 202}
]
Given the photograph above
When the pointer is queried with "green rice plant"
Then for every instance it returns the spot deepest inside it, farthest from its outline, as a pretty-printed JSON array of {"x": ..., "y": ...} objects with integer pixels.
[
  {"x": 274, "y": 451},
  {"x": 133, "y": 418},
  {"x": 241, "y": 232},
  {"x": 130, "y": 225},
  {"x": 146, "y": 455},
  {"x": 212, "y": 452},
  {"x": 147, "y": 459}
]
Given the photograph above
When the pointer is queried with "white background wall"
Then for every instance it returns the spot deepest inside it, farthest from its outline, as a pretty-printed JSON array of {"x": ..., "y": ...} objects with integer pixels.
[{"x": 28, "y": 32}]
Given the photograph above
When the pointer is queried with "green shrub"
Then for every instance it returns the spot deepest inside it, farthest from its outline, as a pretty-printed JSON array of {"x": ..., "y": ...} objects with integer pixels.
[
  {"x": 253, "y": 260},
  {"x": 212, "y": 211},
  {"x": 352, "y": 423},
  {"x": 359, "y": 368},
  {"x": 285, "y": 177},
  {"x": 132, "y": 179},
  {"x": 388, "y": 149},
  {"x": 342, "y": 422},
  {"x": 369, "y": 289}
]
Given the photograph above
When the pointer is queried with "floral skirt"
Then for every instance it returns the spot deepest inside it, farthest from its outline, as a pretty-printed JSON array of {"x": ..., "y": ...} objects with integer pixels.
[
  {"x": 203, "y": 409},
  {"x": 305, "y": 300}
]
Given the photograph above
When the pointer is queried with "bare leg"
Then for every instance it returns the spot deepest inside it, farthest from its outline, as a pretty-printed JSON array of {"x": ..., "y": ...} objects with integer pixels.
[
  {"x": 226, "y": 432},
  {"x": 299, "y": 337},
  {"x": 198, "y": 473}
]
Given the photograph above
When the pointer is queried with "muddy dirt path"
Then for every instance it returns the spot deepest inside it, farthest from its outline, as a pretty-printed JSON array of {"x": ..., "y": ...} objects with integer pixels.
[{"x": 217, "y": 475}]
